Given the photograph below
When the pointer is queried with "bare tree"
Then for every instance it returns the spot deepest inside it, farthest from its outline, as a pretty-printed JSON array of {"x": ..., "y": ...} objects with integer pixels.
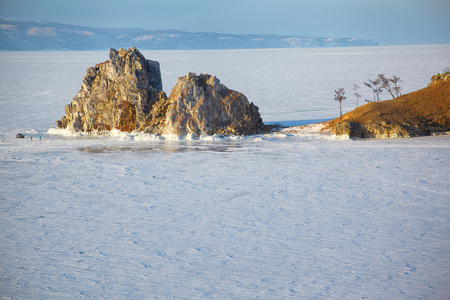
[
  {"x": 447, "y": 69},
  {"x": 397, "y": 89},
  {"x": 386, "y": 84},
  {"x": 340, "y": 97},
  {"x": 355, "y": 92},
  {"x": 375, "y": 86}
]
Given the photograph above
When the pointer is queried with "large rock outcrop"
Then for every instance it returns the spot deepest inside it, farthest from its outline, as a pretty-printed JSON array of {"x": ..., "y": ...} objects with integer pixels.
[
  {"x": 125, "y": 93},
  {"x": 201, "y": 105},
  {"x": 116, "y": 94},
  {"x": 424, "y": 112},
  {"x": 439, "y": 78}
]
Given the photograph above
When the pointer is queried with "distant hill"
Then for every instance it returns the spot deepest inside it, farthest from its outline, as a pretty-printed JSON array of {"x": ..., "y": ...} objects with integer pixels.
[
  {"x": 423, "y": 112},
  {"x": 43, "y": 35}
]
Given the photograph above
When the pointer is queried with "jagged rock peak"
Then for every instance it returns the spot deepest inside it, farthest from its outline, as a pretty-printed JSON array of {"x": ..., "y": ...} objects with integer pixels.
[
  {"x": 116, "y": 94},
  {"x": 123, "y": 61},
  {"x": 201, "y": 105}
]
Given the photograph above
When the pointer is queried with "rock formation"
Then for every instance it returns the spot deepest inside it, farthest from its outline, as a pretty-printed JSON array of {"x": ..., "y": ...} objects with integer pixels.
[
  {"x": 424, "y": 112},
  {"x": 118, "y": 93},
  {"x": 201, "y": 105},
  {"x": 439, "y": 78},
  {"x": 125, "y": 93}
]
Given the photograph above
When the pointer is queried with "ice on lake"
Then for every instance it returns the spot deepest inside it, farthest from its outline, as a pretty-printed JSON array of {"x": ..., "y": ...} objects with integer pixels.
[{"x": 132, "y": 216}]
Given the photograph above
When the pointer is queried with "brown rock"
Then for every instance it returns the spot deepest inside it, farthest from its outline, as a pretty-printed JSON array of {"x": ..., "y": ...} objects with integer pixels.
[
  {"x": 200, "y": 104},
  {"x": 125, "y": 93},
  {"x": 439, "y": 78},
  {"x": 116, "y": 94}
]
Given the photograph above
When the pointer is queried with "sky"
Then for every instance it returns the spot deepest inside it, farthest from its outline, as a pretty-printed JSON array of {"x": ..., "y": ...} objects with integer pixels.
[{"x": 386, "y": 21}]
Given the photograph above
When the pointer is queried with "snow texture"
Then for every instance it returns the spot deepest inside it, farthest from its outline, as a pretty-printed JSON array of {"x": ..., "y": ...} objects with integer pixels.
[{"x": 284, "y": 216}]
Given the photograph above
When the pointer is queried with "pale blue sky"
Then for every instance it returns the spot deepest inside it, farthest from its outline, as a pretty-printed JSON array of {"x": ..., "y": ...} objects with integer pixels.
[{"x": 387, "y": 21}]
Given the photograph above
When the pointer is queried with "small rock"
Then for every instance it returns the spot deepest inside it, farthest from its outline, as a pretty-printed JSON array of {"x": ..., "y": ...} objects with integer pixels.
[{"x": 439, "y": 78}]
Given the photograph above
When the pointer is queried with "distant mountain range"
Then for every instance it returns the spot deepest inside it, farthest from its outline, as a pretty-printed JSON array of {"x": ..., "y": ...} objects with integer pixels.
[{"x": 43, "y": 35}]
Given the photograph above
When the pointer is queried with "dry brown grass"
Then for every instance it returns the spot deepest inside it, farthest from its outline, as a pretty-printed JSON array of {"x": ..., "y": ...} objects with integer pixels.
[{"x": 430, "y": 105}]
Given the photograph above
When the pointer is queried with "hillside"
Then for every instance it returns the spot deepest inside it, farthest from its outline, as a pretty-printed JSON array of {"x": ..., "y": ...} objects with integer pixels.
[
  {"x": 424, "y": 112},
  {"x": 43, "y": 35}
]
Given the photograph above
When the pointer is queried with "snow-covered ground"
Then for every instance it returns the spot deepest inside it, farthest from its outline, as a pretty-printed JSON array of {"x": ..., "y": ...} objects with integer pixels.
[{"x": 310, "y": 215}]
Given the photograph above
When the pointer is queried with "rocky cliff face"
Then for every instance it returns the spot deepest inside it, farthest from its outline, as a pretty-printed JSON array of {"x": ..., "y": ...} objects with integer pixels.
[
  {"x": 118, "y": 93},
  {"x": 419, "y": 113},
  {"x": 125, "y": 93},
  {"x": 439, "y": 78},
  {"x": 200, "y": 104},
  {"x": 387, "y": 129}
]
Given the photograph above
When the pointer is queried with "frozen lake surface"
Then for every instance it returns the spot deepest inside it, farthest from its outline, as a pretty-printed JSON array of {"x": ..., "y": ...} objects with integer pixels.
[{"x": 130, "y": 216}]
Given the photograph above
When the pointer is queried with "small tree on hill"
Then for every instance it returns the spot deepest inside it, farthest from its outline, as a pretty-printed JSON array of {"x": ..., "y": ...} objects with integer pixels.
[
  {"x": 386, "y": 84},
  {"x": 339, "y": 96},
  {"x": 355, "y": 92},
  {"x": 375, "y": 86},
  {"x": 397, "y": 89}
]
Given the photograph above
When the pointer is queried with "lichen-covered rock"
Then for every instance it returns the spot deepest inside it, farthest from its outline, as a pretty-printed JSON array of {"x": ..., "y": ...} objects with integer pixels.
[
  {"x": 116, "y": 94},
  {"x": 435, "y": 79},
  {"x": 201, "y": 105},
  {"x": 374, "y": 129}
]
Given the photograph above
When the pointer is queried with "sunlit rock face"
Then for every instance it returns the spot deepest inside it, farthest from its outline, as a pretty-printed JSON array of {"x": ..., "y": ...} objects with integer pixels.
[
  {"x": 438, "y": 78},
  {"x": 125, "y": 93},
  {"x": 116, "y": 94},
  {"x": 201, "y": 105}
]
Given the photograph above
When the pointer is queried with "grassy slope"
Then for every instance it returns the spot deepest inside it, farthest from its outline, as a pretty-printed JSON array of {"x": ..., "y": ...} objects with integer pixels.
[{"x": 427, "y": 106}]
